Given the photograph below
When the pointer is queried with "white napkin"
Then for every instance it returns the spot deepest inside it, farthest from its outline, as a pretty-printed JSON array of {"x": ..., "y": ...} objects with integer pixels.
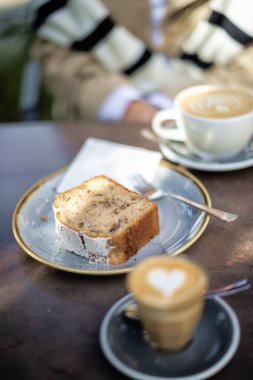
[{"x": 117, "y": 161}]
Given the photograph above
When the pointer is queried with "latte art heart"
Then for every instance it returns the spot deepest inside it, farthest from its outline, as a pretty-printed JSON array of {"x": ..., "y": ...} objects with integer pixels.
[{"x": 166, "y": 282}]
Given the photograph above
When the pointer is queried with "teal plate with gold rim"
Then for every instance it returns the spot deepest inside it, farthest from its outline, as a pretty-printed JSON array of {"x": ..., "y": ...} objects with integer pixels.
[{"x": 180, "y": 224}]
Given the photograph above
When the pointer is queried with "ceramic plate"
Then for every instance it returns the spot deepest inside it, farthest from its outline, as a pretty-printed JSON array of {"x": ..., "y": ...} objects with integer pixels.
[
  {"x": 214, "y": 344},
  {"x": 178, "y": 152},
  {"x": 180, "y": 224}
]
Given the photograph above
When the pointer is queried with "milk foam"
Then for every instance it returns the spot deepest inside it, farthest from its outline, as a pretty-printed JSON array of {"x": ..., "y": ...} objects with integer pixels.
[
  {"x": 166, "y": 281},
  {"x": 217, "y": 103}
]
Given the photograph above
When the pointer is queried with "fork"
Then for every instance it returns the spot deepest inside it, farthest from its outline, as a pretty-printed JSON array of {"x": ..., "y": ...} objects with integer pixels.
[
  {"x": 131, "y": 310},
  {"x": 148, "y": 190}
]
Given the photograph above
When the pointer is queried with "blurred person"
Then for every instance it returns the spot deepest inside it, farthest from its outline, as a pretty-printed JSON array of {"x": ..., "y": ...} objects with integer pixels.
[{"x": 121, "y": 61}]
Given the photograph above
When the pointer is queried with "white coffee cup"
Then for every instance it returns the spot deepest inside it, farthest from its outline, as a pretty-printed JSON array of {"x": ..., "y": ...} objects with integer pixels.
[{"x": 215, "y": 122}]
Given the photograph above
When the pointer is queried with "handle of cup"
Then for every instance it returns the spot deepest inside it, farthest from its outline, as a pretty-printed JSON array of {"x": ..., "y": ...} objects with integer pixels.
[{"x": 173, "y": 134}]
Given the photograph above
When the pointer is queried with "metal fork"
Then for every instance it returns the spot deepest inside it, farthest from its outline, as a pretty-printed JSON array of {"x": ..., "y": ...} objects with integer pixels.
[
  {"x": 131, "y": 310},
  {"x": 142, "y": 186}
]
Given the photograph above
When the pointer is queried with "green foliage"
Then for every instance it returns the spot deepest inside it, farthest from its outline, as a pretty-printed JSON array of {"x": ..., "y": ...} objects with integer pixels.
[
  {"x": 13, "y": 57},
  {"x": 15, "y": 40}
]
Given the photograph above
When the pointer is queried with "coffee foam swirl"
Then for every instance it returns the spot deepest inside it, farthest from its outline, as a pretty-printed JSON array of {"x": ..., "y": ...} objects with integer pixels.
[{"x": 216, "y": 104}]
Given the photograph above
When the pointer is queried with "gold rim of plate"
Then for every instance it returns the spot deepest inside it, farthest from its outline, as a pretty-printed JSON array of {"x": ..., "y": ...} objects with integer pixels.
[{"x": 99, "y": 272}]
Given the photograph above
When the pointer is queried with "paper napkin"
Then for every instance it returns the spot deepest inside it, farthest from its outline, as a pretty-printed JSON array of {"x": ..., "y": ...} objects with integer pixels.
[{"x": 117, "y": 161}]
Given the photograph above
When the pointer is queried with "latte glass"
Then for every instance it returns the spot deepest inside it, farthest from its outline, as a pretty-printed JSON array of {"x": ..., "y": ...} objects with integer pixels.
[
  {"x": 169, "y": 293},
  {"x": 215, "y": 122}
]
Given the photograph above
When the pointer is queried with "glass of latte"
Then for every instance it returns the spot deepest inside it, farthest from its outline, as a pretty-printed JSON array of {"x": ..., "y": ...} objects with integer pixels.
[
  {"x": 169, "y": 293},
  {"x": 215, "y": 122}
]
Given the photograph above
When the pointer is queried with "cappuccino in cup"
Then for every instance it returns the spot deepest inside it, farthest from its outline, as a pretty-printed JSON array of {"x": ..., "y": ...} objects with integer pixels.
[
  {"x": 170, "y": 297},
  {"x": 214, "y": 122},
  {"x": 217, "y": 103}
]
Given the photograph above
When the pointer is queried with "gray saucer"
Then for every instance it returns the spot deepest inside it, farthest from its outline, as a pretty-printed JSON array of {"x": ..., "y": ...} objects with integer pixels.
[
  {"x": 178, "y": 152},
  {"x": 216, "y": 339}
]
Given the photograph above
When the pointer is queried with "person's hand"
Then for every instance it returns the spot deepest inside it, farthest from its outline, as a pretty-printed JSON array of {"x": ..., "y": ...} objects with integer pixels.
[{"x": 139, "y": 112}]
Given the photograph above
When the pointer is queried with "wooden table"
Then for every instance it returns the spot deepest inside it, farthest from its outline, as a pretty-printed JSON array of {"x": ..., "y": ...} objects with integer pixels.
[{"x": 49, "y": 319}]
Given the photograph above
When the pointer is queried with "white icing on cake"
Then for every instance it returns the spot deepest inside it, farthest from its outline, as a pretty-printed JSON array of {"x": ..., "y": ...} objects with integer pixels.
[
  {"x": 166, "y": 281},
  {"x": 96, "y": 250}
]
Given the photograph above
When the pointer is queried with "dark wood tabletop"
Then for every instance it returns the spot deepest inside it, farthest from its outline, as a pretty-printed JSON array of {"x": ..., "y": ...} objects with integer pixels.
[{"x": 50, "y": 319}]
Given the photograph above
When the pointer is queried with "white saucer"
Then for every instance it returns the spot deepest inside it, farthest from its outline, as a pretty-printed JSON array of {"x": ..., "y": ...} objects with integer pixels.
[{"x": 178, "y": 152}]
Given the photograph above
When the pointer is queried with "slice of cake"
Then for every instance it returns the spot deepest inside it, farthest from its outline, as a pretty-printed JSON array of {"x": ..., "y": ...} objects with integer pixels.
[{"x": 103, "y": 221}]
